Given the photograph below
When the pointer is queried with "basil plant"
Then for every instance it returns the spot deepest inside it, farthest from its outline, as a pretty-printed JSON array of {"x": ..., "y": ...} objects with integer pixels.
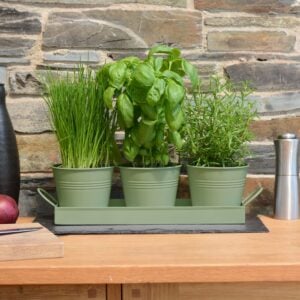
[{"x": 149, "y": 98}]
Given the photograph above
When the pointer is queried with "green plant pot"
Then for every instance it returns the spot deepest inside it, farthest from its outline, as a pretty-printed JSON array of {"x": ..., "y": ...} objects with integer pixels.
[
  {"x": 151, "y": 187},
  {"x": 216, "y": 186},
  {"x": 83, "y": 187}
]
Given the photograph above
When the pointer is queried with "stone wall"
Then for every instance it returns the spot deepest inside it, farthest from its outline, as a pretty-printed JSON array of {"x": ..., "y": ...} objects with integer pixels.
[{"x": 257, "y": 40}]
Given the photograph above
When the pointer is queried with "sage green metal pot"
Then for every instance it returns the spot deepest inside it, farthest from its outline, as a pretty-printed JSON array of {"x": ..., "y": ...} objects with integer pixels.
[
  {"x": 217, "y": 186},
  {"x": 83, "y": 187},
  {"x": 150, "y": 187}
]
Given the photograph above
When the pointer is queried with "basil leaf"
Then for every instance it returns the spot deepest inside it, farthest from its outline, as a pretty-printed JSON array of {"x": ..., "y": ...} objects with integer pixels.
[
  {"x": 144, "y": 75},
  {"x": 159, "y": 138},
  {"x": 131, "y": 60},
  {"x": 146, "y": 131},
  {"x": 125, "y": 107},
  {"x": 172, "y": 75},
  {"x": 136, "y": 93},
  {"x": 174, "y": 93},
  {"x": 177, "y": 67},
  {"x": 158, "y": 63},
  {"x": 174, "y": 117},
  {"x": 130, "y": 149},
  {"x": 164, "y": 49},
  {"x": 155, "y": 92},
  {"x": 149, "y": 112},
  {"x": 117, "y": 74},
  {"x": 175, "y": 53},
  {"x": 175, "y": 138}
]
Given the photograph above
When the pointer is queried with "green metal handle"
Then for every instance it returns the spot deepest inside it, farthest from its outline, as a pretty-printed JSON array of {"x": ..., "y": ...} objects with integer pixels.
[
  {"x": 47, "y": 197},
  {"x": 252, "y": 196}
]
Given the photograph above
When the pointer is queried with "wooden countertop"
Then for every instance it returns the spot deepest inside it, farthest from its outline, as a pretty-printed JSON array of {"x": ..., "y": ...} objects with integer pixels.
[{"x": 97, "y": 259}]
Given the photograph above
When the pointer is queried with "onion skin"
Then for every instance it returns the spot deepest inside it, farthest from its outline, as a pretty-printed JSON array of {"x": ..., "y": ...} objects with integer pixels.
[{"x": 9, "y": 211}]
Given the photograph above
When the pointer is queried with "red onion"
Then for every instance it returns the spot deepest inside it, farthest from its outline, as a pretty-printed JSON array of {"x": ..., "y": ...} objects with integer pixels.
[{"x": 9, "y": 211}]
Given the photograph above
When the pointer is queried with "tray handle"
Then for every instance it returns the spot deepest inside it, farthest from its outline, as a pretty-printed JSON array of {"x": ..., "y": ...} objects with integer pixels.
[
  {"x": 252, "y": 195},
  {"x": 47, "y": 197}
]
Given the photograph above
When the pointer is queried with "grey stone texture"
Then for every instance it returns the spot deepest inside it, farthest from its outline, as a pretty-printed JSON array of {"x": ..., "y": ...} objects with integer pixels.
[
  {"x": 282, "y": 103},
  {"x": 239, "y": 56},
  {"x": 29, "y": 115},
  {"x": 15, "y": 46},
  {"x": 251, "y": 6},
  {"x": 121, "y": 29},
  {"x": 262, "y": 160},
  {"x": 5, "y": 61},
  {"x": 24, "y": 83},
  {"x": 20, "y": 22},
  {"x": 268, "y": 41},
  {"x": 2, "y": 75},
  {"x": 176, "y": 3},
  {"x": 72, "y": 56},
  {"x": 265, "y": 21},
  {"x": 267, "y": 76}
]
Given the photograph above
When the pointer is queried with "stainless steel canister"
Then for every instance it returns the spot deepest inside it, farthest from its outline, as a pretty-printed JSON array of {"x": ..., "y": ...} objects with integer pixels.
[{"x": 286, "y": 177}]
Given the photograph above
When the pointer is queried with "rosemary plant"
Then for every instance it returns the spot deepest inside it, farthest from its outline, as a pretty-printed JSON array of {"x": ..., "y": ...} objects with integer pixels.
[
  {"x": 217, "y": 131},
  {"x": 83, "y": 125}
]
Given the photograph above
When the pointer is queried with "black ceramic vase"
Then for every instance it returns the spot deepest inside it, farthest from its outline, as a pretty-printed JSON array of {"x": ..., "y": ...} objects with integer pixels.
[{"x": 9, "y": 156}]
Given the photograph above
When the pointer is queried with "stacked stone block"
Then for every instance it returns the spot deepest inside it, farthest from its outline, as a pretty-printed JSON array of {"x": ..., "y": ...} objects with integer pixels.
[{"x": 255, "y": 40}]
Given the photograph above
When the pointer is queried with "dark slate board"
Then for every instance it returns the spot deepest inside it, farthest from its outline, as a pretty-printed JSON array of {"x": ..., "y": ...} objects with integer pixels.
[{"x": 253, "y": 225}]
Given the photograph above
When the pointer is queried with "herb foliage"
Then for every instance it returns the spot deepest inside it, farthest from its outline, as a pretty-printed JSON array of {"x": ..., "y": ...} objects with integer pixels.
[
  {"x": 217, "y": 128},
  {"x": 83, "y": 124},
  {"x": 149, "y": 97}
]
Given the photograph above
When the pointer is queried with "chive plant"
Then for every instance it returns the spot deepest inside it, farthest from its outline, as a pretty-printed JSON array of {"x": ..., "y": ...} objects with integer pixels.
[
  {"x": 83, "y": 125},
  {"x": 217, "y": 128}
]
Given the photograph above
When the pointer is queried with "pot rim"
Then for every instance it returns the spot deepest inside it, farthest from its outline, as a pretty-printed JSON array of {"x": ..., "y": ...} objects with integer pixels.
[
  {"x": 58, "y": 167},
  {"x": 150, "y": 168},
  {"x": 219, "y": 168}
]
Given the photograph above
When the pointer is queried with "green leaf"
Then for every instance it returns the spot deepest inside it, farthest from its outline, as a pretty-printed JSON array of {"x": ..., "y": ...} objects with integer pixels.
[
  {"x": 143, "y": 152},
  {"x": 155, "y": 92},
  {"x": 177, "y": 67},
  {"x": 136, "y": 93},
  {"x": 158, "y": 63},
  {"x": 174, "y": 93},
  {"x": 164, "y": 49},
  {"x": 149, "y": 111},
  {"x": 160, "y": 49},
  {"x": 165, "y": 159},
  {"x": 175, "y": 138},
  {"x": 174, "y": 117},
  {"x": 117, "y": 74},
  {"x": 146, "y": 131},
  {"x": 102, "y": 75},
  {"x": 130, "y": 149},
  {"x": 159, "y": 138},
  {"x": 175, "y": 53},
  {"x": 174, "y": 76},
  {"x": 192, "y": 73},
  {"x": 131, "y": 61},
  {"x": 134, "y": 136},
  {"x": 120, "y": 120},
  {"x": 126, "y": 110},
  {"x": 144, "y": 75},
  {"x": 108, "y": 97}
]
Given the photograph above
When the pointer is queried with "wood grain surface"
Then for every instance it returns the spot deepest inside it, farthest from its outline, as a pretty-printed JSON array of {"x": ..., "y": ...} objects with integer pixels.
[
  {"x": 50, "y": 292},
  {"x": 29, "y": 245},
  {"x": 213, "y": 291},
  {"x": 97, "y": 259}
]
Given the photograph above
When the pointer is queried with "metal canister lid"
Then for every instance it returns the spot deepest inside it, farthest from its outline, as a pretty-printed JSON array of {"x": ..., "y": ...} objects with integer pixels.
[{"x": 287, "y": 136}]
